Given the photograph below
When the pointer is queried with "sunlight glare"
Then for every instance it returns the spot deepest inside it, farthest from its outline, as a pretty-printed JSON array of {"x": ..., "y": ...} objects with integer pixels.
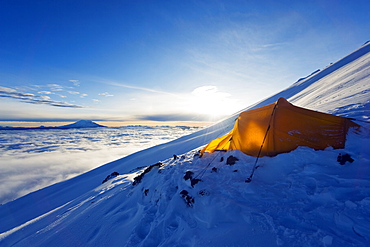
[{"x": 210, "y": 101}]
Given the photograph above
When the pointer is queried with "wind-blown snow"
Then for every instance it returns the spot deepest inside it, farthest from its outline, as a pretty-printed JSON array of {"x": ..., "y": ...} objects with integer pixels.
[{"x": 301, "y": 198}]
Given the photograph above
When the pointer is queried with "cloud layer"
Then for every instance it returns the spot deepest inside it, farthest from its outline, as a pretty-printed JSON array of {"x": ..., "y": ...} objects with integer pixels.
[{"x": 31, "y": 160}]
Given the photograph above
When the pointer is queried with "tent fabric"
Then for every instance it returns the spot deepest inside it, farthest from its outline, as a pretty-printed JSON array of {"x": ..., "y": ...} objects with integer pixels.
[{"x": 284, "y": 127}]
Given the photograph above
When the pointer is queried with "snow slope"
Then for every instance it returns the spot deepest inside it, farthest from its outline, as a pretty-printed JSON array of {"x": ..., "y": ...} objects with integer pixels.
[{"x": 301, "y": 198}]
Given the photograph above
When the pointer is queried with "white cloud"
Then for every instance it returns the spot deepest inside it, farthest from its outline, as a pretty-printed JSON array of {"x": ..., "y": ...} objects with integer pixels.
[
  {"x": 32, "y": 98},
  {"x": 45, "y": 92},
  {"x": 7, "y": 90},
  {"x": 55, "y": 87},
  {"x": 106, "y": 94},
  {"x": 21, "y": 175},
  {"x": 209, "y": 90},
  {"x": 83, "y": 95},
  {"x": 76, "y": 83},
  {"x": 112, "y": 83},
  {"x": 96, "y": 100},
  {"x": 43, "y": 97},
  {"x": 73, "y": 92}
]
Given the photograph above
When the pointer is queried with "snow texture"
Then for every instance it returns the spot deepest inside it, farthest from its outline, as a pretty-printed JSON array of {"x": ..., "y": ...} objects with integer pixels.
[{"x": 301, "y": 198}]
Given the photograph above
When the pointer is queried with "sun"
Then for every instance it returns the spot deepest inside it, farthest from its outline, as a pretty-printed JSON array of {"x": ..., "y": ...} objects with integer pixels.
[{"x": 208, "y": 100}]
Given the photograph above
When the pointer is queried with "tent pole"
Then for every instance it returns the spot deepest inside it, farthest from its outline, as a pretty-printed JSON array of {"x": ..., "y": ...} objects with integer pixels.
[{"x": 249, "y": 179}]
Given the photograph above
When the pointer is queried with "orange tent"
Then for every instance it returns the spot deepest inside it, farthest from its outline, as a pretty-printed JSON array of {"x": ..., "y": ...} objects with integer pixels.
[{"x": 281, "y": 127}]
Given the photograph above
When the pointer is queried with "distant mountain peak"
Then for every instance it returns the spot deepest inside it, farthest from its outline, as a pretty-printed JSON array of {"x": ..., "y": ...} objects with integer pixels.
[{"x": 82, "y": 124}]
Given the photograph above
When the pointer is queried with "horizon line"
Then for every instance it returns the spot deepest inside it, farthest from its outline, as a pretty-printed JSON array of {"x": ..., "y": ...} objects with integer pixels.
[{"x": 108, "y": 123}]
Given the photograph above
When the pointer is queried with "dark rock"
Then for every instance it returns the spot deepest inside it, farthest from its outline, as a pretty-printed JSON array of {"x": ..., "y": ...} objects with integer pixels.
[
  {"x": 231, "y": 160},
  {"x": 188, "y": 175},
  {"x": 203, "y": 193},
  {"x": 138, "y": 179},
  {"x": 342, "y": 159},
  {"x": 112, "y": 175},
  {"x": 184, "y": 192},
  {"x": 188, "y": 199},
  {"x": 194, "y": 181}
]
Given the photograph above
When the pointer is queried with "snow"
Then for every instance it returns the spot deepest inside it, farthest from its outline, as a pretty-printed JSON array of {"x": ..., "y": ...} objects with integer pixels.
[{"x": 301, "y": 198}]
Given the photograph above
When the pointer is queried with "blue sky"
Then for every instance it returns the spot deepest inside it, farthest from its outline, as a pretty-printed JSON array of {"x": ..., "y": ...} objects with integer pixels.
[{"x": 138, "y": 61}]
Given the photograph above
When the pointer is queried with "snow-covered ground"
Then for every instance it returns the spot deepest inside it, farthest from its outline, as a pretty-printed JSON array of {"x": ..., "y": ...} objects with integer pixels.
[
  {"x": 301, "y": 198},
  {"x": 35, "y": 158}
]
